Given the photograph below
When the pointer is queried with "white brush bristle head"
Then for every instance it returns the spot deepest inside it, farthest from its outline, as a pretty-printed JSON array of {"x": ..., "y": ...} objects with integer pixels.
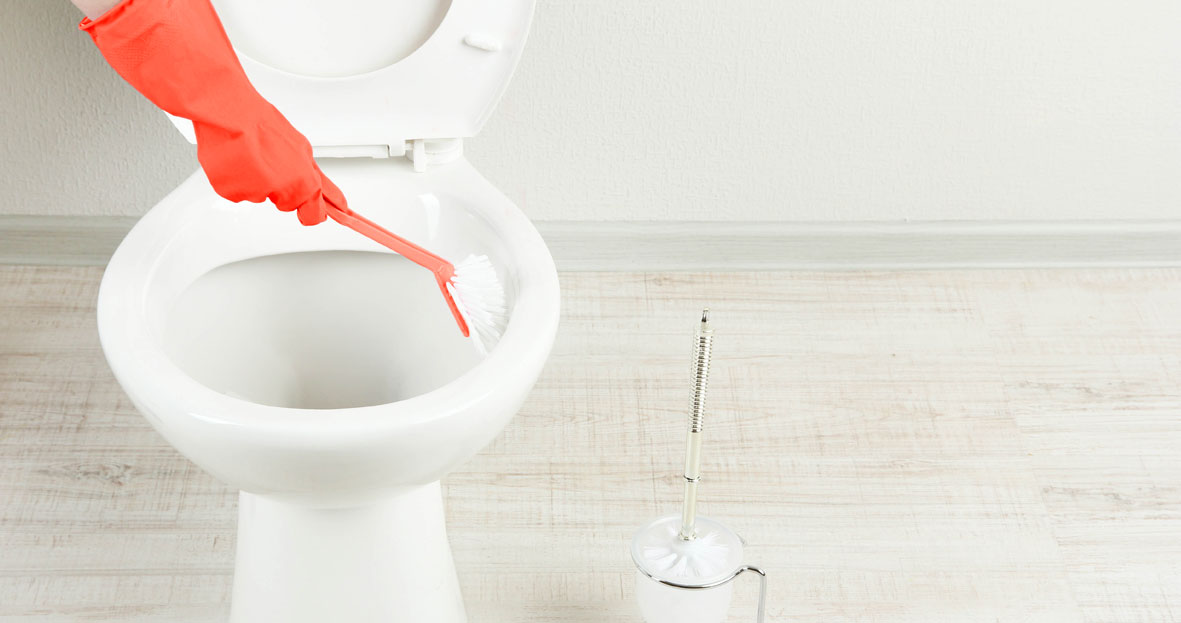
[
  {"x": 480, "y": 297},
  {"x": 660, "y": 552}
]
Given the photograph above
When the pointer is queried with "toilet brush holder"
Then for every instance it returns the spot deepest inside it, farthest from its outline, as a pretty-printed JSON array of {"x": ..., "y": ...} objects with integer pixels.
[{"x": 689, "y": 581}]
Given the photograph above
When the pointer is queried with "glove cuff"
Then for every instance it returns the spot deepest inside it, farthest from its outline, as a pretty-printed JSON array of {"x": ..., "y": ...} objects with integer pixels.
[{"x": 141, "y": 11}]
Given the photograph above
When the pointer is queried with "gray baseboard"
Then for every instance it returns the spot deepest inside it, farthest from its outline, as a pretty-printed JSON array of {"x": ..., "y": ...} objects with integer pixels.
[
  {"x": 61, "y": 240},
  {"x": 700, "y": 246}
]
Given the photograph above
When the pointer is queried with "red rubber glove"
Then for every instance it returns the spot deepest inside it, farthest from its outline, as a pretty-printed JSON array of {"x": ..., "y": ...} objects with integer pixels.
[{"x": 176, "y": 53}]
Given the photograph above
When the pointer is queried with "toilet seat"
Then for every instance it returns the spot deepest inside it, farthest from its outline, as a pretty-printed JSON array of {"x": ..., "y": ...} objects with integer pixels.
[
  {"x": 170, "y": 248},
  {"x": 444, "y": 90}
]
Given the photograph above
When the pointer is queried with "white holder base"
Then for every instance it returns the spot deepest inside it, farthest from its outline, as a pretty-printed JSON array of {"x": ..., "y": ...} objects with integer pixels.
[
  {"x": 385, "y": 562},
  {"x": 666, "y": 604}
]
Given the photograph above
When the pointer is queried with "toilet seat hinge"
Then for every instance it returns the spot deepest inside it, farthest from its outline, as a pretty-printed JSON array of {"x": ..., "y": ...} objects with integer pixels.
[{"x": 427, "y": 151}]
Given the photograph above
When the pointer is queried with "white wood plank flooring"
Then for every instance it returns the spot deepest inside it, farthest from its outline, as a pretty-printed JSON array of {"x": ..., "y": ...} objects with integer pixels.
[{"x": 926, "y": 446}]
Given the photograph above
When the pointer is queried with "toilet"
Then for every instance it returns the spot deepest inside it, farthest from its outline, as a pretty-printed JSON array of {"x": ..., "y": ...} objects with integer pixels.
[{"x": 310, "y": 368}]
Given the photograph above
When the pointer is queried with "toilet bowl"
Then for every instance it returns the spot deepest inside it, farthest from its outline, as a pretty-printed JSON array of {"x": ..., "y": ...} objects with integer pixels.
[{"x": 317, "y": 372}]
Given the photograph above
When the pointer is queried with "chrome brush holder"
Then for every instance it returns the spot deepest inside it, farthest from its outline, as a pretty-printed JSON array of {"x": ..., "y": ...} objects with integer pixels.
[{"x": 689, "y": 587}]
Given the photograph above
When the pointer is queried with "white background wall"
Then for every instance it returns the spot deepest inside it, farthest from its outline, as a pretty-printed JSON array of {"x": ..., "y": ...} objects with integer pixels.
[{"x": 816, "y": 110}]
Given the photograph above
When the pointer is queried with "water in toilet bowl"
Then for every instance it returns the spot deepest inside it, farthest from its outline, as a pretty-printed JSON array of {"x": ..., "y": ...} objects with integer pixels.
[{"x": 318, "y": 330}]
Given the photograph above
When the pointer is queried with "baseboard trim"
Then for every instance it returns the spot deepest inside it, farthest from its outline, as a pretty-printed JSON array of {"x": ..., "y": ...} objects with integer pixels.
[
  {"x": 702, "y": 246},
  {"x": 61, "y": 240},
  {"x": 839, "y": 246}
]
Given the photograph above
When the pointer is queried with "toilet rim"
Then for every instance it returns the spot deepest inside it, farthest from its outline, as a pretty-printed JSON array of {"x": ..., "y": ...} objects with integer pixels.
[{"x": 161, "y": 388}]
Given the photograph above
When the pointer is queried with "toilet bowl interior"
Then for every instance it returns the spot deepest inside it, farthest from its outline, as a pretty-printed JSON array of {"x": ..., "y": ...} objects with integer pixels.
[
  {"x": 252, "y": 305},
  {"x": 318, "y": 330}
]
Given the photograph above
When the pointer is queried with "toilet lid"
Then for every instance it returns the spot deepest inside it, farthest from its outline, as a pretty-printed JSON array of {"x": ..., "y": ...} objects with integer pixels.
[{"x": 360, "y": 76}]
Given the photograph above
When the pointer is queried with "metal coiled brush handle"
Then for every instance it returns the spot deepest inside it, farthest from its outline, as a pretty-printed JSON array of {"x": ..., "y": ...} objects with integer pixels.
[{"x": 703, "y": 349}]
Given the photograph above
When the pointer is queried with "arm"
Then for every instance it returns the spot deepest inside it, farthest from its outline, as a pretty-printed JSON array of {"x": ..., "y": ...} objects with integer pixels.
[
  {"x": 95, "y": 8},
  {"x": 176, "y": 53}
]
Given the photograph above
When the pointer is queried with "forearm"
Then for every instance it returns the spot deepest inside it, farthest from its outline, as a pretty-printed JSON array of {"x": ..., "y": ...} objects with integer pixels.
[
  {"x": 95, "y": 8},
  {"x": 176, "y": 53}
]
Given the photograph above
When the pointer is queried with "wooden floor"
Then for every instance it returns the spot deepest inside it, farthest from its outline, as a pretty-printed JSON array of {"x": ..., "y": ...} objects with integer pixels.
[{"x": 912, "y": 446}]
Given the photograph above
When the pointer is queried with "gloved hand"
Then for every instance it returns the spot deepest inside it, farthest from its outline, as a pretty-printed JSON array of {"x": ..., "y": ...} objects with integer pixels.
[{"x": 176, "y": 53}]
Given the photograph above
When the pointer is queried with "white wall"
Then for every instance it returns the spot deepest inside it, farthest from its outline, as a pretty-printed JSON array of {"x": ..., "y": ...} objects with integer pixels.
[{"x": 818, "y": 110}]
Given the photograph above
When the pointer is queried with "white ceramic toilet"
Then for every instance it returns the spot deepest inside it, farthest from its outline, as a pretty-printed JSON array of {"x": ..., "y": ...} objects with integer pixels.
[{"x": 310, "y": 368}]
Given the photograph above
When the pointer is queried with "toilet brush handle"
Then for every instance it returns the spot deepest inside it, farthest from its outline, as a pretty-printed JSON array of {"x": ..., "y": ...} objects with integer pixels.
[
  {"x": 442, "y": 269},
  {"x": 702, "y": 351}
]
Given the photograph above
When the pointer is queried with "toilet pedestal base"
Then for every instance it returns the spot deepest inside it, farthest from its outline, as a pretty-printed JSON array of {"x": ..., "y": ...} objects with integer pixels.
[{"x": 386, "y": 562}]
